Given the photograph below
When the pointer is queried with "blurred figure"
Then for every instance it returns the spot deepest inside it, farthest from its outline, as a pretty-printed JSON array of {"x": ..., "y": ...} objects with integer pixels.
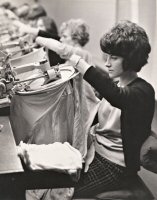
[
  {"x": 36, "y": 11},
  {"x": 22, "y": 11},
  {"x": 74, "y": 35},
  {"x": 47, "y": 24},
  {"x": 46, "y": 27},
  {"x": 5, "y": 5},
  {"x": 9, "y": 10},
  {"x": 74, "y": 32}
]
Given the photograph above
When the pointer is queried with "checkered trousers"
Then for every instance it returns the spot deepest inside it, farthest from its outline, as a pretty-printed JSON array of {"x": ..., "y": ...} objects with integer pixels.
[{"x": 103, "y": 175}]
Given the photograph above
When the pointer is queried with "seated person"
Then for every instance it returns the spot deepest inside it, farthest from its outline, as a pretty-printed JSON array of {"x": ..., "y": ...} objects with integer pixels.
[
  {"x": 74, "y": 35},
  {"x": 48, "y": 25},
  {"x": 36, "y": 11},
  {"x": 125, "y": 112},
  {"x": 22, "y": 11},
  {"x": 45, "y": 27},
  {"x": 6, "y": 5}
]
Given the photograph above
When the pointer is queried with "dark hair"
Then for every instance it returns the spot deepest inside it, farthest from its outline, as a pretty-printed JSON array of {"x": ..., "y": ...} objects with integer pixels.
[
  {"x": 22, "y": 13},
  {"x": 130, "y": 41},
  {"x": 36, "y": 12},
  {"x": 79, "y": 30},
  {"x": 6, "y": 5},
  {"x": 50, "y": 25}
]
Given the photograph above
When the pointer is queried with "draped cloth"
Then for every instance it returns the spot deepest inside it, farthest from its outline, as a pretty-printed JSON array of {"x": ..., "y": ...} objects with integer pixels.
[
  {"x": 29, "y": 110},
  {"x": 60, "y": 114},
  {"x": 63, "y": 113}
]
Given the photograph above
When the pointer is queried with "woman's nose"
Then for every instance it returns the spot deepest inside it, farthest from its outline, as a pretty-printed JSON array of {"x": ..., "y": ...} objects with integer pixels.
[
  {"x": 61, "y": 39},
  {"x": 108, "y": 63}
]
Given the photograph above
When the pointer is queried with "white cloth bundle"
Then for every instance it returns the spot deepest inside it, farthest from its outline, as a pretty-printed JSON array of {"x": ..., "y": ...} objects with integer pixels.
[{"x": 57, "y": 156}]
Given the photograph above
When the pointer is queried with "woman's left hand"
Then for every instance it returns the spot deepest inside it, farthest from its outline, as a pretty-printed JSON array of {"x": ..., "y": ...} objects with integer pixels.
[
  {"x": 74, "y": 60},
  {"x": 79, "y": 63}
]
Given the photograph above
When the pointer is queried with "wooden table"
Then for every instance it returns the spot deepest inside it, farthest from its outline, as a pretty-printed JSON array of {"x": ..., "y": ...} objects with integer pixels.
[{"x": 14, "y": 179}]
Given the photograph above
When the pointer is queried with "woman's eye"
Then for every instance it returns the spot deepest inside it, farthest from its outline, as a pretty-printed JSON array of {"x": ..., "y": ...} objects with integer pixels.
[
  {"x": 105, "y": 57},
  {"x": 114, "y": 57}
]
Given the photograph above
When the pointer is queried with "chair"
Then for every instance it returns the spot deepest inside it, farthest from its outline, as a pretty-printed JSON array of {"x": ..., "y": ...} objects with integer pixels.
[{"x": 148, "y": 154}]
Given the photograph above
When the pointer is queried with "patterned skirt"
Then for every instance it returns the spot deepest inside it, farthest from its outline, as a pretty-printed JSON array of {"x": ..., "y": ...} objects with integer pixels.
[{"x": 103, "y": 175}]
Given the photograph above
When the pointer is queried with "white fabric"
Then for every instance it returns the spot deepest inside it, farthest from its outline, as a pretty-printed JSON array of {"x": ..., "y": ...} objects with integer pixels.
[
  {"x": 39, "y": 157},
  {"x": 50, "y": 194}
]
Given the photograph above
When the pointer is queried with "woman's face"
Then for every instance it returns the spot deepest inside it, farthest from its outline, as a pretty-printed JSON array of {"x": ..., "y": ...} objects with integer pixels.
[
  {"x": 40, "y": 25},
  {"x": 114, "y": 65},
  {"x": 22, "y": 10},
  {"x": 66, "y": 37}
]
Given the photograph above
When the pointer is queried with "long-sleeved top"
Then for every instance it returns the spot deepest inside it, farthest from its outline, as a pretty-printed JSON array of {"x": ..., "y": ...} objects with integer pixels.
[
  {"x": 54, "y": 58},
  {"x": 136, "y": 102}
]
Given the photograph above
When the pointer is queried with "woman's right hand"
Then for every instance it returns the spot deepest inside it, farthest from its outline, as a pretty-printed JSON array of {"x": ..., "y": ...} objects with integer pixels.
[{"x": 26, "y": 28}]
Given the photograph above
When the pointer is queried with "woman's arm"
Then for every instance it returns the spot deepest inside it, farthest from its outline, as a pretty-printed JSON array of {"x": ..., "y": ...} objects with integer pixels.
[
  {"x": 64, "y": 50},
  {"x": 46, "y": 34},
  {"x": 132, "y": 94},
  {"x": 26, "y": 28}
]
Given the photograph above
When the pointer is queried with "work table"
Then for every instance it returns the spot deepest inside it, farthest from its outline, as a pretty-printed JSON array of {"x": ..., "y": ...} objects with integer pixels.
[{"x": 14, "y": 178}]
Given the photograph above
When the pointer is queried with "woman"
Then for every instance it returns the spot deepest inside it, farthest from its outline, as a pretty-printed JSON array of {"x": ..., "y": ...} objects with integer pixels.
[
  {"x": 45, "y": 27},
  {"x": 46, "y": 23},
  {"x": 125, "y": 112},
  {"x": 74, "y": 35},
  {"x": 22, "y": 11}
]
